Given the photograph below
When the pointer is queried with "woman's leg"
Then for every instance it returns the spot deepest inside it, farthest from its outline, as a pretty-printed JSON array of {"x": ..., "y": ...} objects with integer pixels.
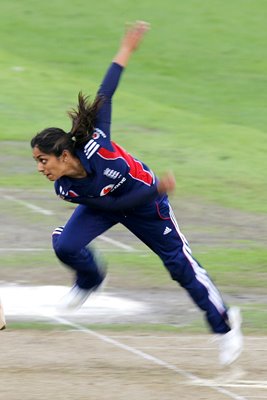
[
  {"x": 70, "y": 244},
  {"x": 156, "y": 226}
]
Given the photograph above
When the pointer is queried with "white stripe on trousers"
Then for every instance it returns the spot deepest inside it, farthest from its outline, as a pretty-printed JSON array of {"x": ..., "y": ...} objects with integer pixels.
[{"x": 201, "y": 274}]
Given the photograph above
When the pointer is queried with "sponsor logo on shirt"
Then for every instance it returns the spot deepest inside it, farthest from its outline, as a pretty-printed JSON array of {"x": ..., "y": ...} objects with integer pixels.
[
  {"x": 111, "y": 173},
  {"x": 111, "y": 188},
  {"x": 106, "y": 190},
  {"x": 97, "y": 133},
  {"x": 119, "y": 184}
]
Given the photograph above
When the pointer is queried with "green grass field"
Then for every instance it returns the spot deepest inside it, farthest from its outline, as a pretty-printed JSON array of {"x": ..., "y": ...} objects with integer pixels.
[{"x": 192, "y": 100}]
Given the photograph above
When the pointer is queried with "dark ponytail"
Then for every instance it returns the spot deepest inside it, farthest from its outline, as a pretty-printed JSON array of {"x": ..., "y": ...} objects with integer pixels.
[
  {"x": 84, "y": 118},
  {"x": 55, "y": 140}
]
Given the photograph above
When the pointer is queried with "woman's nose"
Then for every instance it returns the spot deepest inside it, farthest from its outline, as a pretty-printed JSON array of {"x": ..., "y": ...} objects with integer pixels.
[{"x": 40, "y": 167}]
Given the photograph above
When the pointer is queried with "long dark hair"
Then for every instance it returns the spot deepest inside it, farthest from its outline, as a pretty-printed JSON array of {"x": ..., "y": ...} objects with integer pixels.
[{"x": 55, "y": 140}]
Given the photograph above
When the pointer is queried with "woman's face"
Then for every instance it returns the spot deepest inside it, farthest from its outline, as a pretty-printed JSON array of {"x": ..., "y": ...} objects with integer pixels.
[{"x": 49, "y": 165}]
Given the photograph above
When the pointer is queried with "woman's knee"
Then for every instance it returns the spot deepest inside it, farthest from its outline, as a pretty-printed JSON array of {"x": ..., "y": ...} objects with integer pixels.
[{"x": 63, "y": 248}]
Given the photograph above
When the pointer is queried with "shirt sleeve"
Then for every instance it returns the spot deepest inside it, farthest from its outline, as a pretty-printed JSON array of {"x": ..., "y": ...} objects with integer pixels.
[
  {"x": 126, "y": 201},
  {"x": 107, "y": 89}
]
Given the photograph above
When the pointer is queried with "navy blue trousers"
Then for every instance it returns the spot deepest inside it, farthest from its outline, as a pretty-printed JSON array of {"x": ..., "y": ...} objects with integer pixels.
[{"x": 156, "y": 226}]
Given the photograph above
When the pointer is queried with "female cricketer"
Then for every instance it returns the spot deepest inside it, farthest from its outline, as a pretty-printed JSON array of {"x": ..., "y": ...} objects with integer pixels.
[{"x": 110, "y": 186}]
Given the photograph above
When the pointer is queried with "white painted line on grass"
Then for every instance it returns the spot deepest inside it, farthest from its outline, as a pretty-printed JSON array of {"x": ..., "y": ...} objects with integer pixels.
[
  {"x": 236, "y": 384},
  {"x": 19, "y": 190},
  {"x": 116, "y": 243},
  {"x": 49, "y": 212},
  {"x": 182, "y": 349},
  {"x": 21, "y": 249},
  {"x": 17, "y": 68},
  {"x": 191, "y": 377},
  {"x": 249, "y": 384},
  {"x": 29, "y": 205},
  {"x": 179, "y": 338},
  {"x": 38, "y": 250}
]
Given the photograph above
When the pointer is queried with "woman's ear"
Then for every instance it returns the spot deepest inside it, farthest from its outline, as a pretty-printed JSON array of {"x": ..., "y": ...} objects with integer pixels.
[{"x": 65, "y": 156}]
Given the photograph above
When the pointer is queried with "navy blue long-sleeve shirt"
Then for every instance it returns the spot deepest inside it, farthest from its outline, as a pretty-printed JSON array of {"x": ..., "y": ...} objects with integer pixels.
[{"x": 116, "y": 180}]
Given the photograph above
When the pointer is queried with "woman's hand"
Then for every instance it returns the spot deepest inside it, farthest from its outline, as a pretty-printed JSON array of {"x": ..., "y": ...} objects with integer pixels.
[
  {"x": 134, "y": 35},
  {"x": 167, "y": 183},
  {"x": 130, "y": 42}
]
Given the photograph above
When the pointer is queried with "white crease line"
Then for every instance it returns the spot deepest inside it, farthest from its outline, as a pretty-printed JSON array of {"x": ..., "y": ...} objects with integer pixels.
[
  {"x": 183, "y": 349},
  {"x": 18, "y": 190},
  {"x": 32, "y": 250},
  {"x": 253, "y": 382},
  {"x": 49, "y": 212},
  {"x": 116, "y": 243},
  {"x": 189, "y": 349},
  {"x": 17, "y": 249},
  {"x": 236, "y": 384},
  {"x": 184, "y": 337},
  {"x": 29, "y": 205},
  {"x": 193, "y": 378}
]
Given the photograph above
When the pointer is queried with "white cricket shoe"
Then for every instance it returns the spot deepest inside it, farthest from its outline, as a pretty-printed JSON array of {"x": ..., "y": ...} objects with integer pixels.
[
  {"x": 74, "y": 299},
  {"x": 77, "y": 296},
  {"x": 231, "y": 343}
]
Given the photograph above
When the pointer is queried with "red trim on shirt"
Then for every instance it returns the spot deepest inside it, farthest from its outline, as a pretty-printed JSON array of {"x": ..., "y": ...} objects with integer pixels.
[{"x": 137, "y": 170}]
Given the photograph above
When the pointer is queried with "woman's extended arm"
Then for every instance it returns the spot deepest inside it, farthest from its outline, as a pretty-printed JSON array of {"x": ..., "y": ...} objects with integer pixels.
[{"x": 130, "y": 42}]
